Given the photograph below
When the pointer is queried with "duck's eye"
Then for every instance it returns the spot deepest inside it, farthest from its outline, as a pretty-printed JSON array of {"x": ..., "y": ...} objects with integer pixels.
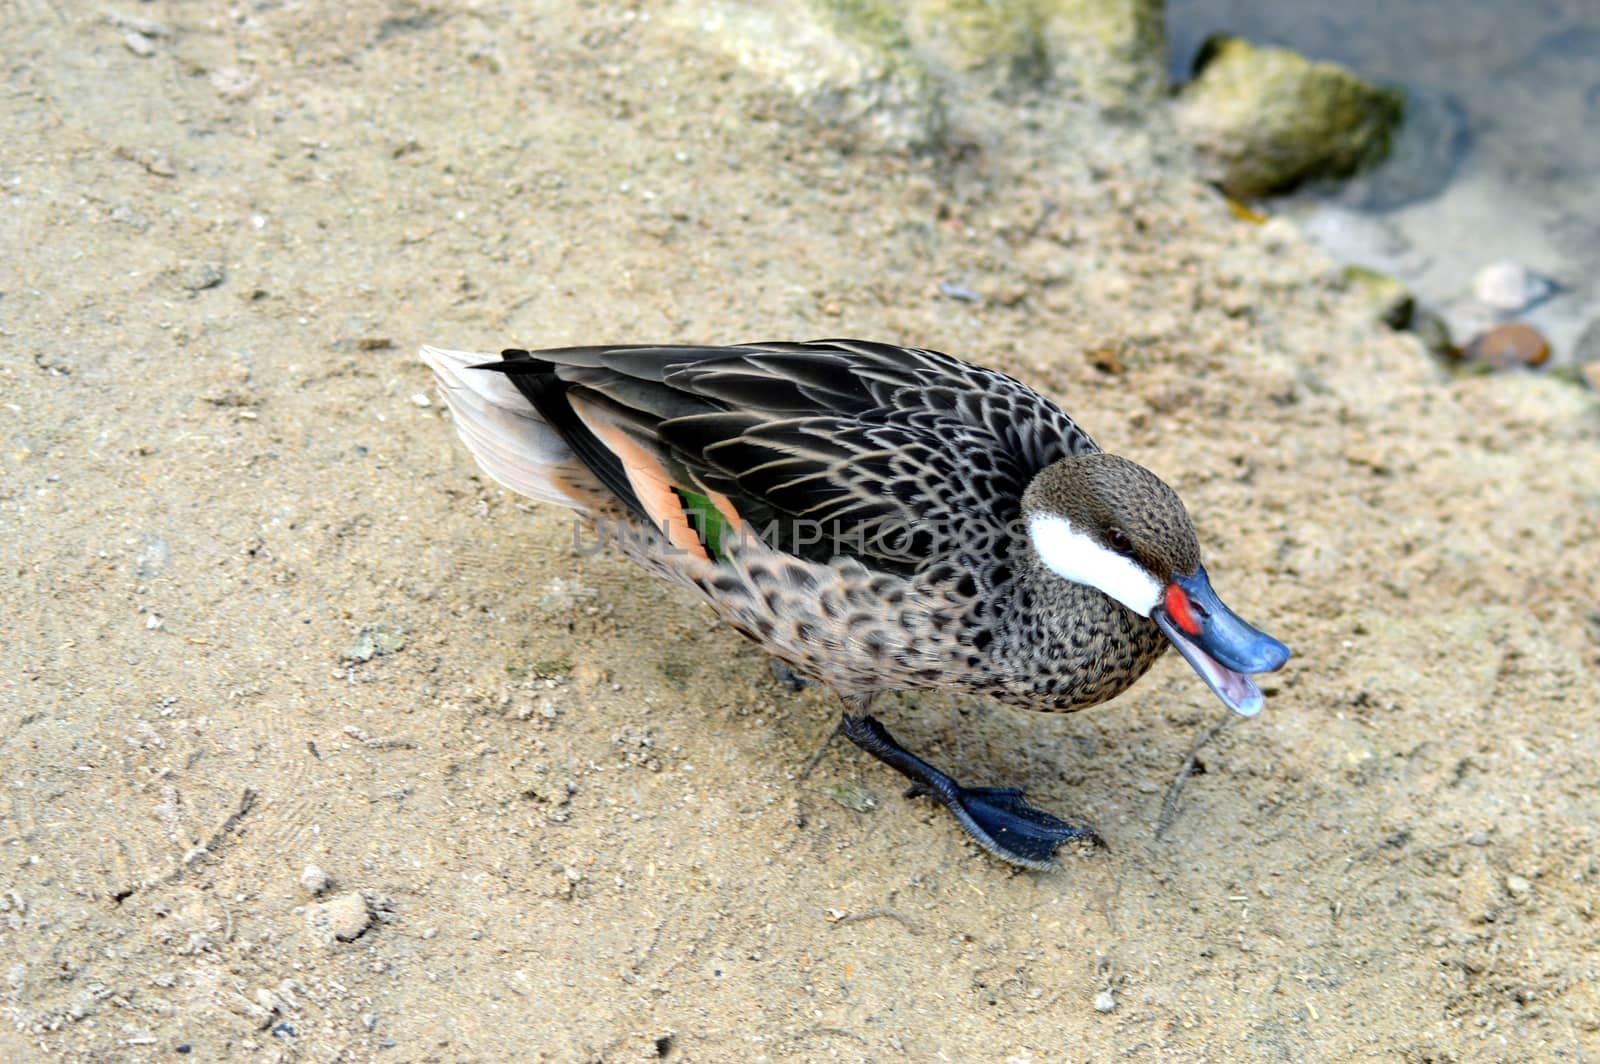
[{"x": 1120, "y": 542}]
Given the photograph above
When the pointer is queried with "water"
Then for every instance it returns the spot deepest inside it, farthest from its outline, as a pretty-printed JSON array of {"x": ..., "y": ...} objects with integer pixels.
[{"x": 1510, "y": 95}]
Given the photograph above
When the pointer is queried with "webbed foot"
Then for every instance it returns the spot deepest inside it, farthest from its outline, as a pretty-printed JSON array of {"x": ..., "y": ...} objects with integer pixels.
[{"x": 996, "y": 817}]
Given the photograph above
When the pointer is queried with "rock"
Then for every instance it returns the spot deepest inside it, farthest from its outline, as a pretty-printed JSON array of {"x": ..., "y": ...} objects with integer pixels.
[
  {"x": 1114, "y": 50},
  {"x": 315, "y": 880},
  {"x": 197, "y": 276},
  {"x": 1105, "y": 1001},
  {"x": 343, "y": 918},
  {"x": 852, "y": 797},
  {"x": 1390, "y": 301},
  {"x": 1507, "y": 288},
  {"x": 848, "y": 62},
  {"x": 139, "y": 44},
  {"x": 1262, "y": 120},
  {"x": 1110, "y": 49},
  {"x": 1508, "y": 347},
  {"x": 376, "y": 640},
  {"x": 972, "y": 35}
]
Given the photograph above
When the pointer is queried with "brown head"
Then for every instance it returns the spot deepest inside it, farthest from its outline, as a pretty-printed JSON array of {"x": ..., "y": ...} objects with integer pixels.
[{"x": 1110, "y": 523}]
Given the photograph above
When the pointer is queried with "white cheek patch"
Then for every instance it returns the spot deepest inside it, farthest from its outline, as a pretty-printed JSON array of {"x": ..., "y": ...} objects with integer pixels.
[{"x": 1074, "y": 555}]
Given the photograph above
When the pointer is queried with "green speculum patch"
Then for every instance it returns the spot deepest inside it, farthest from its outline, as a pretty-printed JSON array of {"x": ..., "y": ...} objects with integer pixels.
[{"x": 707, "y": 521}]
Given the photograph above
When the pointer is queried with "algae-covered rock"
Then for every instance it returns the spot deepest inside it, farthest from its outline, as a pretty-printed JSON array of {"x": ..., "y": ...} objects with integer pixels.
[
  {"x": 1390, "y": 300},
  {"x": 1113, "y": 50},
  {"x": 1265, "y": 119},
  {"x": 971, "y": 35},
  {"x": 848, "y": 62},
  {"x": 881, "y": 68}
]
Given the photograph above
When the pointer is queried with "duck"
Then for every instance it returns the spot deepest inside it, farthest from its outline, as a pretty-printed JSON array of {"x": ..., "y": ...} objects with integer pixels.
[{"x": 877, "y": 518}]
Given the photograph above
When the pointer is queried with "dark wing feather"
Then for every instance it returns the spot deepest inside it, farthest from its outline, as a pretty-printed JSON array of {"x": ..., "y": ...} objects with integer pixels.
[{"x": 827, "y": 447}]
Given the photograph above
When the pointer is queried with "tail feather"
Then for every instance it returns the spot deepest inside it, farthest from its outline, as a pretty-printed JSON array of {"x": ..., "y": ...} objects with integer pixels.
[{"x": 505, "y": 434}]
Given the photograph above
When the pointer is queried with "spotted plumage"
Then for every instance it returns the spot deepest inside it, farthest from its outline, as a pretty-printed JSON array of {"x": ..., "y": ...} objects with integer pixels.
[{"x": 877, "y": 517}]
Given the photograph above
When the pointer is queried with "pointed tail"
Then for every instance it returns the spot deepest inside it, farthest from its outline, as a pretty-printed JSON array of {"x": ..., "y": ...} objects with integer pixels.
[{"x": 505, "y": 434}]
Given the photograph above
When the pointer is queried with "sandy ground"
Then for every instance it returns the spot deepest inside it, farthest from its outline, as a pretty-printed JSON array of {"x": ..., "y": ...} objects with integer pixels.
[{"x": 561, "y": 802}]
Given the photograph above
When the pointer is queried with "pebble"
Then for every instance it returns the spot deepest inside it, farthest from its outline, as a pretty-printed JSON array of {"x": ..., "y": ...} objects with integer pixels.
[
  {"x": 1105, "y": 1001},
  {"x": 343, "y": 918},
  {"x": 1508, "y": 347},
  {"x": 958, "y": 291},
  {"x": 852, "y": 797},
  {"x": 421, "y": 401},
  {"x": 376, "y": 640},
  {"x": 196, "y": 276},
  {"x": 315, "y": 880},
  {"x": 1508, "y": 288},
  {"x": 139, "y": 44},
  {"x": 1518, "y": 887}
]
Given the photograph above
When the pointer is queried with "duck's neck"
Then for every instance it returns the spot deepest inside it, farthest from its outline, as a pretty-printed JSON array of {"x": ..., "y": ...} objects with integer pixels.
[{"x": 1066, "y": 645}]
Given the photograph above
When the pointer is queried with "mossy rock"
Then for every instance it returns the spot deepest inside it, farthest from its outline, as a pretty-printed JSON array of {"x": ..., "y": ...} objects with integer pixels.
[
  {"x": 849, "y": 63},
  {"x": 1112, "y": 49},
  {"x": 1263, "y": 120}
]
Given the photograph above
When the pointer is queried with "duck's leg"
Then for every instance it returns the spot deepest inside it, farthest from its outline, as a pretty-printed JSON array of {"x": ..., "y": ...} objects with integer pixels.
[{"x": 996, "y": 817}]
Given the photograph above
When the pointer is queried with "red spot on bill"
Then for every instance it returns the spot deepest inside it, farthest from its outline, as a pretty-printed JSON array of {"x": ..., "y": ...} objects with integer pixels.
[{"x": 1177, "y": 604}]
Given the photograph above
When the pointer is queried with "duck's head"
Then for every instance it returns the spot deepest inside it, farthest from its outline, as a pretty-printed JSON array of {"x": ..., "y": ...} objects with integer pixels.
[{"x": 1109, "y": 523}]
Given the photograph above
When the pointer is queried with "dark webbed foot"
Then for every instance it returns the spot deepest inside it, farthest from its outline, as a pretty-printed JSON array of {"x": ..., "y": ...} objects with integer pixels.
[{"x": 996, "y": 817}]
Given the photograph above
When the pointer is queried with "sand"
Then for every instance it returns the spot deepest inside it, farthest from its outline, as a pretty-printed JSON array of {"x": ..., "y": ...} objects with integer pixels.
[{"x": 261, "y": 612}]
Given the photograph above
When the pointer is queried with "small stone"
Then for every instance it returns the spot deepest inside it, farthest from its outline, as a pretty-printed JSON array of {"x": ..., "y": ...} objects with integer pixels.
[
  {"x": 139, "y": 44},
  {"x": 376, "y": 640},
  {"x": 1105, "y": 1001},
  {"x": 343, "y": 918},
  {"x": 421, "y": 401},
  {"x": 1508, "y": 288},
  {"x": 315, "y": 880},
  {"x": 196, "y": 276},
  {"x": 1518, "y": 887},
  {"x": 1510, "y": 346},
  {"x": 852, "y": 797},
  {"x": 1105, "y": 360}
]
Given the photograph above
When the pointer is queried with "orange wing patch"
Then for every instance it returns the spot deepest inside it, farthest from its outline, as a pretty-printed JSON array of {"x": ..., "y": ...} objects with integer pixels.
[{"x": 650, "y": 480}]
